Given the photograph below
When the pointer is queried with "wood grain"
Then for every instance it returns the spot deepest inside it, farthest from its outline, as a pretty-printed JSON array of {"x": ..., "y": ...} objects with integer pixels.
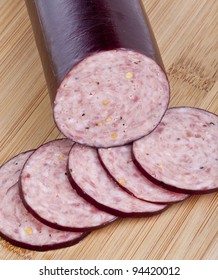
[{"x": 186, "y": 31}]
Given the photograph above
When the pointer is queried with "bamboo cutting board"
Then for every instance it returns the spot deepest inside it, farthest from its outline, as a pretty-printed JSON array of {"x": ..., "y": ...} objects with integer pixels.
[{"x": 187, "y": 34}]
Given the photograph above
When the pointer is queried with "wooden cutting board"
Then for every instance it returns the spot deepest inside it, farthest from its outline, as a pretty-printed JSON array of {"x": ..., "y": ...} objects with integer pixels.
[{"x": 187, "y": 34}]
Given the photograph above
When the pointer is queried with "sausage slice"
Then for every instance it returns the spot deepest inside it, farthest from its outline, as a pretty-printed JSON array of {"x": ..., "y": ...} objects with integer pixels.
[
  {"x": 119, "y": 164},
  {"x": 182, "y": 152},
  {"x": 17, "y": 225},
  {"x": 91, "y": 181},
  {"x": 48, "y": 195}
]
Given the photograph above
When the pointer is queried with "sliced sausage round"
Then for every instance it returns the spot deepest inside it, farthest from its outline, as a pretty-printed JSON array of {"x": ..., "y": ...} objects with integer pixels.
[
  {"x": 20, "y": 228},
  {"x": 119, "y": 164},
  {"x": 48, "y": 195},
  {"x": 182, "y": 152},
  {"x": 89, "y": 178},
  {"x": 10, "y": 171},
  {"x": 17, "y": 225}
]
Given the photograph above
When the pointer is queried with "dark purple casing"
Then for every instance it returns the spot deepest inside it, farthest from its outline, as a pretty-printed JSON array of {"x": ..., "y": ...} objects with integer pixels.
[{"x": 67, "y": 31}]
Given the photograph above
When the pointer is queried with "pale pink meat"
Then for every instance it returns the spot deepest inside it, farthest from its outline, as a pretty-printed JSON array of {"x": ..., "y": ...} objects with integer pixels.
[
  {"x": 119, "y": 163},
  {"x": 89, "y": 175},
  {"x": 182, "y": 152},
  {"x": 111, "y": 98},
  {"x": 18, "y": 225},
  {"x": 10, "y": 171},
  {"x": 48, "y": 193}
]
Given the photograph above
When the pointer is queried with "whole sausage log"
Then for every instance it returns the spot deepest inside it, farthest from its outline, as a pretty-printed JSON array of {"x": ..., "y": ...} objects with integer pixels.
[{"x": 103, "y": 69}]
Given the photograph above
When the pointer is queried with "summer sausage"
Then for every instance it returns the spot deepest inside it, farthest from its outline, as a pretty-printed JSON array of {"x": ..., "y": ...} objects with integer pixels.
[
  {"x": 119, "y": 164},
  {"x": 91, "y": 181},
  {"x": 182, "y": 152},
  {"x": 10, "y": 170},
  {"x": 48, "y": 195},
  {"x": 17, "y": 225},
  {"x": 103, "y": 68}
]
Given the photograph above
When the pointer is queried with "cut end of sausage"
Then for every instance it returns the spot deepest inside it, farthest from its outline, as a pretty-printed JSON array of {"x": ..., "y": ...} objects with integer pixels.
[
  {"x": 111, "y": 98},
  {"x": 182, "y": 152}
]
